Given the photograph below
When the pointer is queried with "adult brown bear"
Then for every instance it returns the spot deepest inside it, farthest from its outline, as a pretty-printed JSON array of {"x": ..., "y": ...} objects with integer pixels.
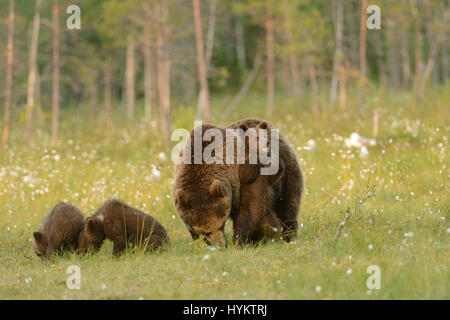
[{"x": 206, "y": 195}]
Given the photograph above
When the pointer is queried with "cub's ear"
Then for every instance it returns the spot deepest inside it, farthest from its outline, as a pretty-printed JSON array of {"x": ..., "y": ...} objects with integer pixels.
[
  {"x": 263, "y": 125},
  {"x": 38, "y": 236},
  {"x": 182, "y": 197},
  {"x": 243, "y": 127},
  {"x": 92, "y": 224},
  {"x": 217, "y": 189}
]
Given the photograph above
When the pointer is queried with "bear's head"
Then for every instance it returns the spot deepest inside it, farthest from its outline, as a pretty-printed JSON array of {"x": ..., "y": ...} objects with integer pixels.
[
  {"x": 257, "y": 142},
  {"x": 40, "y": 244},
  {"x": 205, "y": 212},
  {"x": 92, "y": 235}
]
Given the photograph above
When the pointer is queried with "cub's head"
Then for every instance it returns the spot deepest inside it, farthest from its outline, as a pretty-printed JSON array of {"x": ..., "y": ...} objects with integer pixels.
[
  {"x": 92, "y": 235},
  {"x": 257, "y": 141},
  {"x": 205, "y": 212},
  {"x": 40, "y": 244}
]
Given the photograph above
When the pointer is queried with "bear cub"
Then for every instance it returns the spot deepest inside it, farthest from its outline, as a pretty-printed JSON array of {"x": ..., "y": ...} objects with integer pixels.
[
  {"x": 257, "y": 219},
  {"x": 59, "y": 230},
  {"x": 122, "y": 225}
]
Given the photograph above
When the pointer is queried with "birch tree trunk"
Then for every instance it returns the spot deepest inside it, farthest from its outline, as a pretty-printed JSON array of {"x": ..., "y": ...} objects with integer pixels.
[
  {"x": 201, "y": 63},
  {"x": 130, "y": 78},
  {"x": 147, "y": 74},
  {"x": 293, "y": 64},
  {"x": 337, "y": 52},
  {"x": 32, "y": 74},
  {"x": 314, "y": 88},
  {"x": 107, "y": 93},
  {"x": 240, "y": 44},
  {"x": 362, "y": 57},
  {"x": 163, "y": 75},
  {"x": 9, "y": 74},
  {"x": 417, "y": 54},
  {"x": 270, "y": 59},
  {"x": 55, "y": 93}
]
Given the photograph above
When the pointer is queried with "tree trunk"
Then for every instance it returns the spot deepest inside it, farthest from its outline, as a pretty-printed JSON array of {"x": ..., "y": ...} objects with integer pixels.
[
  {"x": 430, "y": 63},
  {"x": 445, "y": 63},
  {"x": 107, "y": 93},
  {"x": 431, "y": 39},
  {"x": 201, "y": 63},
  {"x": 93, "y": 89},
  {"x": 342, "y": 88},
  {"x": 240, "y": 44},
  {"x": 392, "y": 53},
  {"x": 406, "y": 70},
  {"x": 210, "y": 33},
  {"x": 380, "y": 62},
  {"x": 130, "y": 78},
  {"x": 314, "y": 88},
  {"x": 147, "y": 74},
  {"x": 418, "y": 55},
  {"x": 293, "y": 64},
  {"x": 33, "y": 67},
  {"x": 362, "y": 57},
  {"x": 55, "y": 93},
  {"x": 9, "y": 73},
  {"x": 270, "y": 59},
  {"x": 163, "y": 75},
  {"x": 337, "y": 51}
]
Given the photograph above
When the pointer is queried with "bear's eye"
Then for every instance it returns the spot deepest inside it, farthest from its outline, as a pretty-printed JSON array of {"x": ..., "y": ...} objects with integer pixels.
[{"x": 208, "y": 234}]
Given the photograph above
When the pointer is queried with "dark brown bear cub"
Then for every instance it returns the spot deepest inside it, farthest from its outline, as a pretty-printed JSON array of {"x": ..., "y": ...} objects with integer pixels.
[
  {"x": 59, "y": 230},
  {"x": 122, "y": 225},
  {"x": 257, "y": 219}
]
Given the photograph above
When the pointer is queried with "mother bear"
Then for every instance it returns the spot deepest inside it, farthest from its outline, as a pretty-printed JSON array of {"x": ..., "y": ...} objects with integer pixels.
[{"x": 206, "y": 195}]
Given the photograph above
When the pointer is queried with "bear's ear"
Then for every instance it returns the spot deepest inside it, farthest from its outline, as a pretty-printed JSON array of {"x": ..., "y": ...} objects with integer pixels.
[
  {"x": 217, "y": 189},
  {"x": 38, "y": 236},
  {"x": 92, "y": 224},
  {"x": 182, "y": 197},
  {"x": 263, "y": 125},
  {"x": 242, "y": 126}
]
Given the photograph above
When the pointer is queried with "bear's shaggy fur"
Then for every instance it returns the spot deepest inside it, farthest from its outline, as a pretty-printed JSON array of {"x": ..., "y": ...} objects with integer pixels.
[
  {"x": 257, "y": 219},
  {"x": 122, "y": 225},
  {"x": 59, "y": 230},
  {"x": 288, "y": 203},
  {"x": 206, "y": 195}
]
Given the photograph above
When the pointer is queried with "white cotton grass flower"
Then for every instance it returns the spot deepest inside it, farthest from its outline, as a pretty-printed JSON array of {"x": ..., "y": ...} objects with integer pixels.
[
  {"x": 370, "y": 246},
  {"x": 349, "y": 271},
  {"x": 409, "y": 234},
  {"x": 318, "y": 289},
  {"x": 162, "y": 156},
  {"x": 155, "y": 175},
  {"x": 104, "y": 286},
  {"x": 363, "y": 153},
  {"x": 356, "y": 141},
  {"x": 311, "y": 145},
  {"x": 28, "y": 280},
  {"x": 206, "y": 257}
]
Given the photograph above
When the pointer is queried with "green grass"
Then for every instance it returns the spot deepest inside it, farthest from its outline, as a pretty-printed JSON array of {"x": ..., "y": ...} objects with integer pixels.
[{"x": 403, "y": 228}]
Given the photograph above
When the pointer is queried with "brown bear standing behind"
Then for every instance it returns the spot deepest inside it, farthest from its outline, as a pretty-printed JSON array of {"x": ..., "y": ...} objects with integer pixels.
[
  {"x": 123, "y": 225},
  {"x": 287, "y": 206},
  {"x": 59, "y": 230},
  {"x": 257, "y": 219}
]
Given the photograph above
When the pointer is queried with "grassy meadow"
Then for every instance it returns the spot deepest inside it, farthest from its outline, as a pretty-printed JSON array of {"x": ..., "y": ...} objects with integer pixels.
[{"x": 398, "y": 197}]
